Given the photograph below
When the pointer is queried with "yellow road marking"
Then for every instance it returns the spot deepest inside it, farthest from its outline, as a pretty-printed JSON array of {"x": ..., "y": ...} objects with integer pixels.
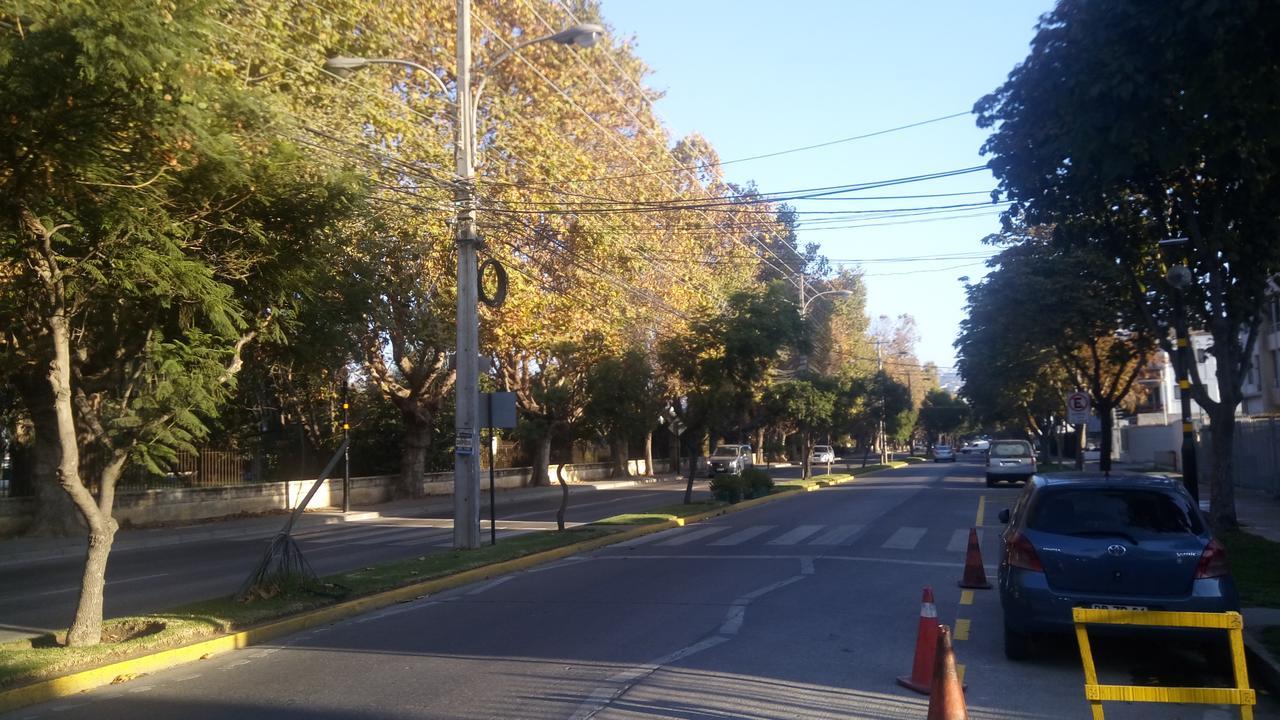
[
  {"x": 962, "y": 629},
  {"x": 982, "y": 509},
  {"x": 966, "y": 597},
  {"x": 960, "y": 672}
]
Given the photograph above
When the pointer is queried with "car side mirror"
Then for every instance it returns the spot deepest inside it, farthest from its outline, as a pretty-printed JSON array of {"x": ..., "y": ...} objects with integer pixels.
[{"x": 1004, "y": 516}]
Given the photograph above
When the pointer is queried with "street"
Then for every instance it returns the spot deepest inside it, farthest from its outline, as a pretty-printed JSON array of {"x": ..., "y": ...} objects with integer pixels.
[
  {"x": 802, "y": 608},
  {"x": 41, "y": 596}
]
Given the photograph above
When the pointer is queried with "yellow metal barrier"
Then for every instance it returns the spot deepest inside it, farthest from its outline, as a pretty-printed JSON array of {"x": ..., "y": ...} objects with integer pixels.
[{"x": 1230, "y": 621}]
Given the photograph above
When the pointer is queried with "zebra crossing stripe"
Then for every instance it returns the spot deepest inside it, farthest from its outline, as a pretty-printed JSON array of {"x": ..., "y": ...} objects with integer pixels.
[
  {"x": 744, "y": 535},
  {"x": 685, "y": 538},
  {"x": 796, "y": 535},
  {"x": 960, "y": 540},
  {"x": 837, "y": 535},
  {"x": 906, "y": 538}
]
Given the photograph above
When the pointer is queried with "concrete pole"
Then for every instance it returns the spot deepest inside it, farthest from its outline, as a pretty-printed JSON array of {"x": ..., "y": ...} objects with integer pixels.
[{"x": 466, "y": 460}]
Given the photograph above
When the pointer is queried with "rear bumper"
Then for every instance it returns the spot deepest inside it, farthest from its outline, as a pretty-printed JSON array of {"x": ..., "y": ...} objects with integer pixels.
[{"x": 1030, "y": 605}]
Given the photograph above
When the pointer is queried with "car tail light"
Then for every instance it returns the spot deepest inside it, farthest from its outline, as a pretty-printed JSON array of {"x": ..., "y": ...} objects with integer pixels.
[
  {"x": 1019, "y": 553},
  {"x": 1213, "y": 562}
]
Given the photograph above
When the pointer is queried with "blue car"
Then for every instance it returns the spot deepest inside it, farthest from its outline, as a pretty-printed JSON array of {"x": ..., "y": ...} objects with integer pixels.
[{"x": 1127, "y": 541}]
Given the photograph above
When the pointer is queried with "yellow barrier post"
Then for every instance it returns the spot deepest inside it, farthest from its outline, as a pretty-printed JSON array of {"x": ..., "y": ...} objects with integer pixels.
[{"x": 1232, "y": 622}]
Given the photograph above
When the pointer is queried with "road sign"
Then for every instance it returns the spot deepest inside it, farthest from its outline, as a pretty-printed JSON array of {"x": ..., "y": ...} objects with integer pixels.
[
  {"x": 1078, "y": 408},
  {"x": 498, "y": 409},
  {"x": 464, "y": 443}
]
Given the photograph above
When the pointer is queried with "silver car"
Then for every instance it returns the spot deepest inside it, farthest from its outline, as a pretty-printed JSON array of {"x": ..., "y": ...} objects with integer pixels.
[
  {"x": 943, "y": 453},
  {"x": 729, "y": 460},
  {"x": 1010, "y": 460}
]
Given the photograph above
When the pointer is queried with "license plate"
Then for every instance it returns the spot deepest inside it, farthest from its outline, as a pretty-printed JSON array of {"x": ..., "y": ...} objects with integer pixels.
[{"x": 1101, "y": 606}]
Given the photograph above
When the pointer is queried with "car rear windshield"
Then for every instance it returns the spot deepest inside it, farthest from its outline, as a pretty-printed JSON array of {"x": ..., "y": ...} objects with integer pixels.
[
  {"x": 725, "y": 452},
  {"x": 1011, "y": 449},
  {"x": 821, "y": 448},
  {"x": 1138, "y": 513}
]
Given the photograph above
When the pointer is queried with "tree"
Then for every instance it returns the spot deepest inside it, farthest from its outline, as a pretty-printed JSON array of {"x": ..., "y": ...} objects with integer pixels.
[
  {"x": 943, "y": 414},
  {"x": 623, "y": 401},
  {"x": 804, "y": 405},
  {"x": 143, "y": 200},
  {"x": 1064, "y": 307},
  {"x": 1109, "y": 133}
]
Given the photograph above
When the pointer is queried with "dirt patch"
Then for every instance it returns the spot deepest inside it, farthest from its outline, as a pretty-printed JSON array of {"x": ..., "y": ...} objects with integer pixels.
[{"x": 130, "y": 630}]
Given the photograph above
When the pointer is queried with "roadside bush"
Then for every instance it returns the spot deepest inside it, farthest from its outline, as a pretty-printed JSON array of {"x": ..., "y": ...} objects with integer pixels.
[
  {"x": 758, "y": 482},
  {"x": 728, "y": 488}
]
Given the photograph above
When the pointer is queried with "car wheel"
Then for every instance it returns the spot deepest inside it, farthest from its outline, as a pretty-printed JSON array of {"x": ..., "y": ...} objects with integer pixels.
[{"x": 1017, "y": 646}]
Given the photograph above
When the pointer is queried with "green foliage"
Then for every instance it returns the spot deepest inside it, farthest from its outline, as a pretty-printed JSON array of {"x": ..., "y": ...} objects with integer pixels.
[
  {"x": 942, "y": 413},
  {"x": 757, "y": 481},
  {"x": 728, "y": 488}
]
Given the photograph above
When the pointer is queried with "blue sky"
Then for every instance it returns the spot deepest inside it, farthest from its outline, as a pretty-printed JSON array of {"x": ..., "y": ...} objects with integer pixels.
[{"x": 756, "y": 77}]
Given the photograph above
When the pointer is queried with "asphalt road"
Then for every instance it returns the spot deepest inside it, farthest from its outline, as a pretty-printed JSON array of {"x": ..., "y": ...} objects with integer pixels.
[
  {"x": 38, "y": 597},
  {"x": 802, "y": 608}
]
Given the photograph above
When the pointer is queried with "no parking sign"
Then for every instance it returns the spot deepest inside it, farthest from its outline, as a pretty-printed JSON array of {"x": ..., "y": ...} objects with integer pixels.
[{"x": 1078, "y": 408}]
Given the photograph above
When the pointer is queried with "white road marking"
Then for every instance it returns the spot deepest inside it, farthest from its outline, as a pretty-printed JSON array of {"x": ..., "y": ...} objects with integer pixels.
[
  {"x": 837, "y": 535},
  {"x": 491, "y": 584},
  {"x": 689, "y": 536},
  {"x": 743, "y": 535},
  {"x": 121, "y": 581},
  {"x": 960, "y": 540},
  {"x": 237, "y": 663},
  {"x": 397, "y": 609},
  {"x": 806, "y": 566},
  {"x": 796, "y": 535},
  {"x": 848, "y": 558},
  {"x": 142, "y": 689},
  {"x": 906, "y": 538},
  {"x": 62, "y": 708},
  {"x": 645, "y": 539},
  {"x": 600, "y": 698}
]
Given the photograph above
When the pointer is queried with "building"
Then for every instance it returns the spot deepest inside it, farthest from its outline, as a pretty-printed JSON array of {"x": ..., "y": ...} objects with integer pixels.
[{"x": 1262, "y": 384}]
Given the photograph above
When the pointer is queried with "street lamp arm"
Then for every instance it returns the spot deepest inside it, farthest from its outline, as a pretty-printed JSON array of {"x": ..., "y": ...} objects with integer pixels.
[
  {"x": 582, "y": 35},
  {"x": 339, "y": 64},
  {"x": 843, "y": 293}
]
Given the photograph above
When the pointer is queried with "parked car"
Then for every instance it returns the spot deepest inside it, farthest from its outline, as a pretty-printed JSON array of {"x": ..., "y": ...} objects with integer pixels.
[
  {"x": 1010, "y": 460},
  {"x": 729, "y": 460},
  {"x": 919, "y": 449},
  {"x": 1124, "y": 541},
  {"x": 976, "y": 447},
  {"x": 821, "y": 455},
  {"x": 943, "y": 453}
]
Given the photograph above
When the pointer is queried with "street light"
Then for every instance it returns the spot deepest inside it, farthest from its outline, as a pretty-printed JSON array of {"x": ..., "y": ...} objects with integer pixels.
[
  {"x": 804, "y": 308},
  {"x": 1180, "y": 278},
  {"x": 466, "y": 463}
]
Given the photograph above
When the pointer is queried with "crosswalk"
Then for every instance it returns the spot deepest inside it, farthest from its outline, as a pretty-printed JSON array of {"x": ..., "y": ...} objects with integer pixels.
[
  {"x": 903, "y": 538},
  {"x": 439, "y": 534}
]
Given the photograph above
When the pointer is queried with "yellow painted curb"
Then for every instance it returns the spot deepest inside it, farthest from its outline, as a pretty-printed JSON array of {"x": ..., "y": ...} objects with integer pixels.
[{"x": 77, "y": 682}]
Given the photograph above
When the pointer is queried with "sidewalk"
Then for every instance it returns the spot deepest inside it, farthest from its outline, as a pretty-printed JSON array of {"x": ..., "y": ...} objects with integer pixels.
[{"x": 15, "y": 551}]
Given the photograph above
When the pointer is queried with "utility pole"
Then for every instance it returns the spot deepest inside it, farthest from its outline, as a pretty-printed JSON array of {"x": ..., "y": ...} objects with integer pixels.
[
  {"x": 466, "y": 462},
  {"x": 880, "y": 368}
]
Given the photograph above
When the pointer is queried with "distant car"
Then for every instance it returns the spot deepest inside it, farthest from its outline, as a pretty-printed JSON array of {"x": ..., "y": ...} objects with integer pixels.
[
  {"x": 729, "y": 460},
  {"x": 976, "y": 447},
  {"x": 919, "y": 449},
  {"x": 1010, "y": 460},
  {"x": 821, "y": 455},
  {"x": 943, "y": 453},
  {"x": 1125, "y": 541}
]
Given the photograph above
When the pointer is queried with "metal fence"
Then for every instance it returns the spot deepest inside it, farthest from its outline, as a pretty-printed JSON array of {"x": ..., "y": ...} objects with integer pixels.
[{"x": 1256, "y": 456}]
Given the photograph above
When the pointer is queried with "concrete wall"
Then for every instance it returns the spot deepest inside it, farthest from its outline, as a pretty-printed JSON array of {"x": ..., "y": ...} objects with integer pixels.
[
  {"x": 191, "y": 504},
  {"x": 1256, "y": 454}
]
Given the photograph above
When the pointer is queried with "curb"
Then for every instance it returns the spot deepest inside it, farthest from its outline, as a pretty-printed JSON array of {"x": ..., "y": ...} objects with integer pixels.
[{"x": 123, "y": 670}]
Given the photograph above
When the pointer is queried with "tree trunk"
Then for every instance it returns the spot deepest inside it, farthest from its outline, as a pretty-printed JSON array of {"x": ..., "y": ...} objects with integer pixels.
[
  {"x": 1107, "y": 418},
  {"x": 648, "y": 454},
  {"x": 542, "y": 461},
  {"x": 55, "y": 513},
  {"x": 693, "y": 469},
  {"x": 564, "y": 498},
  {"x": 1222, "y": 492},
  {"x": 87, "y": 628},
  {"x": 759, "y": 448},
  {"x": 806, "y": 449},
  {"x": 413, "y": 455},
  {"x": 675, "y": 454},
  {"x": 618, "y": 448}
]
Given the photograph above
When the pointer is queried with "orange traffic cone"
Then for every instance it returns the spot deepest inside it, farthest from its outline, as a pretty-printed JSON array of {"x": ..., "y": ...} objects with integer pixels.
[
  {"x": 947, "y": 700},
  {"x": 975, "y": 575},
  {"x": 926, "y": 643}
]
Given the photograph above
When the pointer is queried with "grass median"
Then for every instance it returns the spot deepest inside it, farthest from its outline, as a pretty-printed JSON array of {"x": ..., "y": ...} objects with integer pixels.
[{"x": 1253, "y": 565}]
